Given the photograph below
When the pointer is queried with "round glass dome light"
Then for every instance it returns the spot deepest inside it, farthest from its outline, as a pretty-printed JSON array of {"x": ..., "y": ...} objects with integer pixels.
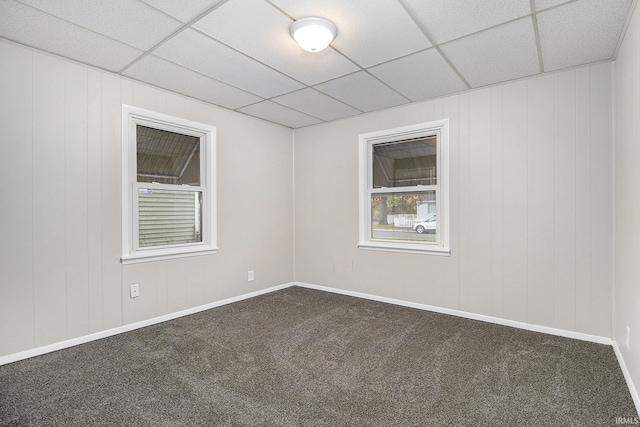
[{"x": 313, "y": 34}]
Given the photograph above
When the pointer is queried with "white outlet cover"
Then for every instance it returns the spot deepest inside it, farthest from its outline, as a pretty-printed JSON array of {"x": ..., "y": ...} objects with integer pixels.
[{"x": 135, "y": 290}]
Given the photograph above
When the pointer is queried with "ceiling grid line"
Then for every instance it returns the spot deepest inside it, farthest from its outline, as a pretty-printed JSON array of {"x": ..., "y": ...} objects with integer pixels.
[
  {"x": 172, "y": 35},
  {"x": 624, "y": 29},
  {"x": 534, "y": 19},
  {"x": 206, "y": 76},
  {"x": 435, "y": 45},
  {"x": 366, "y": 70},
  {"x": 247, "y": 55},
  {"x": 70, "y": 23},
  {"x": 275, "y": 98}
]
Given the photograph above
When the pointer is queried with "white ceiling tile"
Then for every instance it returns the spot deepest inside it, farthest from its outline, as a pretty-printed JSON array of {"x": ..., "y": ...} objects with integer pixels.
[
  {"x": 167, "y": 75},
  {"x": 277, "y": 113},
  {"x": 200, "y": 53},
  {"x": 367, "y": 35},
  {"x": 184, "y": 10},
  {"x": 496, "y": 55},
  {"x": 449, "y": 20},
  {"x": 546, "y": 4},
  {"x": 262, "y": 32},
  {"x": 422, "y": 75},
  {"x": 581, "y": 32},
  {"x": 362, "y": 91},
  {"x": 316, "y": 104},
  {"x": 129, "y": 21},
  {"x": 54, "y": 35}
]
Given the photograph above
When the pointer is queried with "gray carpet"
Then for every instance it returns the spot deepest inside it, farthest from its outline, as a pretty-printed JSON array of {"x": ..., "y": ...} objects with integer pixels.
[{"x": 304, "y": 357}]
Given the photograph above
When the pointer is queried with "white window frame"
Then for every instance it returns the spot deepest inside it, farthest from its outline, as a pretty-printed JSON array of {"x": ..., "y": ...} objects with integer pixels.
[
  {"x": 131, "y": 251},
  {"x": 440, "y": 129}
]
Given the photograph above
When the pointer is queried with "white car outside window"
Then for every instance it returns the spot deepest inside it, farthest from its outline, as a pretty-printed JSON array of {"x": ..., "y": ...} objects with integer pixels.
[{"x": 426, "y": 226}]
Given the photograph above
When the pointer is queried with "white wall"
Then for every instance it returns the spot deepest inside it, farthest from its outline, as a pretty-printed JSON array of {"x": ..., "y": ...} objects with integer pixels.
[
  {"x": 627, "y": 190},
  {"x": 60, "y": 168},
  {"x": 531, "y": 205}
]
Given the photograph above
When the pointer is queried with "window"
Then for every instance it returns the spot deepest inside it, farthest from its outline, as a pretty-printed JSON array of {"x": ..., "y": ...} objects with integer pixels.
[
  {"x": 404, "y": 189},
  {"x": 168, "y": 187}
]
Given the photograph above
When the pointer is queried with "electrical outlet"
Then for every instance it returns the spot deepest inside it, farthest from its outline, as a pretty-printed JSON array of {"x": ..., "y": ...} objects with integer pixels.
[
  {"x": 250, "y": 276},
  {"x": 135, "y": 290},
  {"x": 628, "y": 338}
]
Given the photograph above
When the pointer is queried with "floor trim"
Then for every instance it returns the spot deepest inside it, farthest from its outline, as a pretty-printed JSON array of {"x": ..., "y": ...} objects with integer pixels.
[
  {"x": 627, "y": 376},
  {"x": 132, "y": 326},
  {"x": 505, "y": 322}
]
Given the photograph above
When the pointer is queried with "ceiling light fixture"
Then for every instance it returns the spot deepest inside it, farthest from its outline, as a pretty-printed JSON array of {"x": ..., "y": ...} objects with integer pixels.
[{"x": 313, "y": 34}]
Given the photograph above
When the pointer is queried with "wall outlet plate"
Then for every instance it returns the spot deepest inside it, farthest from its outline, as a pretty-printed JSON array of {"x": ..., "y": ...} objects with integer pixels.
[
  {"x": 250, "y": 276},
  {"x": 135, "y": 290}
]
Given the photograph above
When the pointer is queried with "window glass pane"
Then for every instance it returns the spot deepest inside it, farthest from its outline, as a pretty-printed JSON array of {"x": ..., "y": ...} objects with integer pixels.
[
  {"x": 167, "y": 157},
  {"x": 405, "y": 163},
  {"x": 404, "y": 216},
  {"x": 169, "y": 217}
]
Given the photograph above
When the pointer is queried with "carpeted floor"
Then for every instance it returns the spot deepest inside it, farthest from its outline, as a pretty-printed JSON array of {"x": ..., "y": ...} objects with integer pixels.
[{"x": 305, "y": 357}]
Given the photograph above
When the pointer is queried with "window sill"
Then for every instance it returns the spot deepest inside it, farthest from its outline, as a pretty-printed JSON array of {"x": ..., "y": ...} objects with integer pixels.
[
  {"x": 161, "y": 255},
  {"x": 391, "y": 247}
]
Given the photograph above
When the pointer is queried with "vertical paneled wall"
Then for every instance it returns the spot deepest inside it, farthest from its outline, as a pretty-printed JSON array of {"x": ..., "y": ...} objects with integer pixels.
[
  {"x": 627, "y": 190},
  {"x": 531, "y": 204},
  {"x": 17, "y": 208},
  {"x": 60, "y": 219}
]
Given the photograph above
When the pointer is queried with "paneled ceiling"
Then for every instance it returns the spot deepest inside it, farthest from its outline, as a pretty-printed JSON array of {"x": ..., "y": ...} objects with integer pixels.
[{"x": 238, "y": 54}]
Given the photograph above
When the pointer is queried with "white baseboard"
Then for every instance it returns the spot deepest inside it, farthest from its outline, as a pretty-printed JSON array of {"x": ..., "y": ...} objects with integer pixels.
[
  {"x": 505, "y": 322},
  {"x": 132, "y": 326},
  {"x": 627, "y": 376}
]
